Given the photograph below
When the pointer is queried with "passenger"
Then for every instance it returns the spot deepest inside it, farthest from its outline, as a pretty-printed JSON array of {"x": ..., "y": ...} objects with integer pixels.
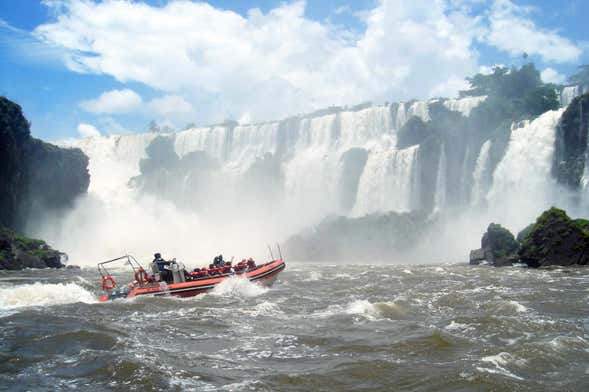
[
  {"x": 165, "y": 274},
  {"x": 240, "y": 266},
  {"x": 251, "y": 264},
  {"x": 227, "y": 268},
  {"x": 218, "y": 261},
  {"x": 153, "y": 265}
]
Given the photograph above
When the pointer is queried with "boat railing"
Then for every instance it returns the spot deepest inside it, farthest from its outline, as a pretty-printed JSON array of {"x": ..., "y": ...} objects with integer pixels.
[{"x": 128, "y": 260}]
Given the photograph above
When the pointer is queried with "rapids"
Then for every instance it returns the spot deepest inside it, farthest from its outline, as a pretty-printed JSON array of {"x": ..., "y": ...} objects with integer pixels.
[{"x": 320, "y": 328}]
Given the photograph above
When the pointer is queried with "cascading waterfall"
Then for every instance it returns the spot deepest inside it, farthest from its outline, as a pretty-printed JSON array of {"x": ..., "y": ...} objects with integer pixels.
[
  {"x": 525, "y": 171},
  {"x": 464, "y": 105},
  {"x": 571, "y": 92},
  {"x": 309, "y": 151},
  {"x": 480, "y": 183},
  {"x": 388, "y": 182},
  {"x": 440, "y": 195}
]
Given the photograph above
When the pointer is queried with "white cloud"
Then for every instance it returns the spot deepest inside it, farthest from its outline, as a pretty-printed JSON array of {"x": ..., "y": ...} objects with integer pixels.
[
  {"x": 512, "y": 31},
  {"x": 550, "y": 75},
  {"x": 113, "y": 102},
  {"x": 219, "y": 64},
  {"x": 267, "y": 64},
  {"x": 172, "y": 107},
  {"x": 87, "y": 130}
]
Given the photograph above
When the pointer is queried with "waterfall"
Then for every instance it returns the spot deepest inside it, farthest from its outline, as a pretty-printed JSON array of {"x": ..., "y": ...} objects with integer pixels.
[
  {"x": 464, "y": 105},
  {"x": 571, "y": 92},
  {"x": 480, "y": 183},
  {"x": 388, "y": 182},
  {"x": 440, "y": 195},
  {"x": 213, "y": 140},
  {"x": 522, "y": 183},
  {"x": 219, "y": 206}
]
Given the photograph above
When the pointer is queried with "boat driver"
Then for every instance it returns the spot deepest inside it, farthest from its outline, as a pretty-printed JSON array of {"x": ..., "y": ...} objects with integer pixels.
[{"x": 158, "y": 266}]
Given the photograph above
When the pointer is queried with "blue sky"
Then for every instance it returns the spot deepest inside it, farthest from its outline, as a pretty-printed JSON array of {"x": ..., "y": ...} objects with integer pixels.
[{"x": 79, "y": 67}]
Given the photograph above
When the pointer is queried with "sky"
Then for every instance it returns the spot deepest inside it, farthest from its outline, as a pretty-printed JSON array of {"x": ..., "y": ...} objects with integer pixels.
[{"x": 81, "y": 68}]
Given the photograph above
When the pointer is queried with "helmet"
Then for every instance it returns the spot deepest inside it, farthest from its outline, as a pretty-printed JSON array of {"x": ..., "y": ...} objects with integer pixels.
[{"x": 157, "y": 255}]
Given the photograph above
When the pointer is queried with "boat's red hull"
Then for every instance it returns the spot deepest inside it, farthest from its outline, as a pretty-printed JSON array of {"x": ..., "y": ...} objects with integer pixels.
[{"x": 265, "y": 274}]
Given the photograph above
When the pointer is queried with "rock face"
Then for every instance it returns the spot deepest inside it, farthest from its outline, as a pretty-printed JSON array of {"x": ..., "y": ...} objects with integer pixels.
[
  {"x": 556, "y": 239},
  {"x": 371, "y": 237},
  {"x": 498, "y": 247},
  {"x": 569, "y": 156},
  {"x": 34, "y": 175},
  {"x": 18, "y": 252}
]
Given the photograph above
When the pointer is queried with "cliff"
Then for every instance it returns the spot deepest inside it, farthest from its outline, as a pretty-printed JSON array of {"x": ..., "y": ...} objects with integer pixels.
[
  {"x": 34, "y": 175},
  {"x": 569, "y": 156}
]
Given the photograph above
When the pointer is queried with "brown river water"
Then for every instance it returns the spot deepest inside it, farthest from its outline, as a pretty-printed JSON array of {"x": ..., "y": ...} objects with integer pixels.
[{"x": 319, "y": 328}]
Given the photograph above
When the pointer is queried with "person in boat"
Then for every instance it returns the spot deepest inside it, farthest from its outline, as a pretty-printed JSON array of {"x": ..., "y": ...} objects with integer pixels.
[
  {"x": 161, "y": 264},
  {"x": 251, "y": 264},
  {"x": 218, "y": 261}
]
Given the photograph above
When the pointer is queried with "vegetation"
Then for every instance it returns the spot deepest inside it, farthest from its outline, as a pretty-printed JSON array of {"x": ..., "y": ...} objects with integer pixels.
[
  {"x": 523, "y": 235},
  {"x": 512, "y": 94},
  {"x": 556, "y": 239},
  {"x": 500, "y": 240},
  {"x": 35, "y": 175},
  {"x": 18, "y": 252}
]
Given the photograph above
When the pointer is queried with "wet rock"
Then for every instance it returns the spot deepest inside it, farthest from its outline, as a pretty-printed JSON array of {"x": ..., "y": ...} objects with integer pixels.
[
  {"x": 498, "y": 247},
  {"x": 556, "y": 239},
  {"x": 477, "y": 256},
  {"x": 18, "y": 252}
]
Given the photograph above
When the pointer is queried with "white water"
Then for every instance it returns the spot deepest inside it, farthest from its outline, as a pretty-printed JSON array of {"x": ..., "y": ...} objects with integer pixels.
[
  {"x": 238, "y": 287},
  {"x": 522, "y": 184},
  {"x": 388, "y": 182},
  {"x": 571, "y": 92},
  {"x": 440, "y": 195},
  {"x": 464, "y": 105},
  {"x": 114, "y": 218},
  {"x": 43, "y": 294},
  {"x": 480, "y": 185}
]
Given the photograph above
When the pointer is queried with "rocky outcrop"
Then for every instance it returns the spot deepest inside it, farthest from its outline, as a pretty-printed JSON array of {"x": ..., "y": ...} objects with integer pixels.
[
  {"x": 498, "y": 247},
  {"x": 18, "y": 252},
  {"x": 371, "y": 237},
  {"x": 569, "y": 155},
  {"x": 34, "y": 176},
  {"x": 556, "y": 239}
]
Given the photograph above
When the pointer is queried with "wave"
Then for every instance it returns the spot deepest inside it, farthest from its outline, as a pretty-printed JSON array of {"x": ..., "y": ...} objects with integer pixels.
[
  {"x": 238, "y": 287},
  {"x": 390, "y": 310},
  {"x": 43, "y": 294},
  {"x": 500, "y": 362}
]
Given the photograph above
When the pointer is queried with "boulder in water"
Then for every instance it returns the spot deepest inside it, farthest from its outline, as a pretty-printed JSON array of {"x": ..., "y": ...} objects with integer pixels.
[
  {"x": 498, "y": 247},
  {"x": 556, "y": 239}
]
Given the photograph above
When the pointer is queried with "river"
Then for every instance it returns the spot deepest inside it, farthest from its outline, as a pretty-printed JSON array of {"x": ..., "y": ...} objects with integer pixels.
[{"x": 349, "y": 327}]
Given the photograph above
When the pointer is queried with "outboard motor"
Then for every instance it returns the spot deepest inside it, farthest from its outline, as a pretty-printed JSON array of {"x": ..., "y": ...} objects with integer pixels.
[{"x": 177, "y": 273}]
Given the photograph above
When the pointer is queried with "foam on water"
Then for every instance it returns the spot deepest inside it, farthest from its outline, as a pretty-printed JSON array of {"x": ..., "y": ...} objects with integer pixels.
[
  {"x": 43, "y": 294},
  {"x": 238, "y": 287},
  {"x": 376, "y": 310},
  {"x": 501, "y": 361}
]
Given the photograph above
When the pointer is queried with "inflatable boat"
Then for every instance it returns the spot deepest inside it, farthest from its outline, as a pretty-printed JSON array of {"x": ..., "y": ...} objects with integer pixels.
[{"x": 183, "y": 284}]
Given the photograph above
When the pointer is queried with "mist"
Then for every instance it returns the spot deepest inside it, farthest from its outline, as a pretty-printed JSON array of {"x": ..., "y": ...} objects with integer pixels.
[{"x": 421, "y": 171}]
